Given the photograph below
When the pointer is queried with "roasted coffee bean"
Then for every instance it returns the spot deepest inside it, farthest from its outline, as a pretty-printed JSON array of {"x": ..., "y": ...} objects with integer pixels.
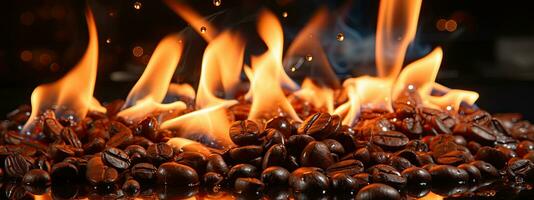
[
  {"x": 487, "y": 170},
  {"x": 148, "y": 128},
  {"x": 473, "y": 146},
  {"x": 318, "y": 126},
  {"x": 386, "y": 174},
  {"x": 248, "y": 186},
  {"x": 116, "y": 158},
  {"x": 272, "y": 137},
  {"x": 334, "y": 146},
  {"x": 399, "y": 163},
  {"x": 390, "y": 139},
  {"x": 141, "y": 141},
  {"x": 80, "y": 163},
  {"x": 417, "y": 145},
  {"x": 361, "y": 154},
  {"x": 438, "y": 126},
  {"x": 362, "y": 179},
  {"x": 378, "y": 191},
  {"x": 524, "y": 147},
  {"x": 160, "y": 152},
  {"x": 36, "y": 177},
  {"x": 212, "y": 181},
  {"x": 411, "y": 125},
  {"x": 492, "y": 156},
  {"x": 64, "y": 172},
  {"x": 245, "y": 153},
  {"x": 316, "y": 154},
  {"x": 245, "y": 132},
  {"x": 42, "y": 163},
  {"x": 52, "y": 129},
  {"x": 172, "y": 173},
  {"x": 424, "y": 158},
  {"x": 292, "y": 163},
  {"x": 379, "y": 157},
  {"x": 520, "y": 167},
  {"x": 474, "y": 173},
  {"x": 242, "y": 171},
  {"x": 342, "y": 183},
  {"x": 99, "y": 174},
  {"x": 448, "y": 174},
  {"x": 275, "y": 156},
  {"x": 347, "y": 137},
  {"x": 455, "y": 158},
  {"x": 194, "y": 160},
  {"x": 350, "y": 167},
  {"x": 475, "y": 131},
  {"x": 131, "y": 187},
  {"x": 308, "y": 179},
  {"x": 16, "y": 165},
  {"x": 69, "y": 136},
  {"x": 281, "y": 124},
  {"x": 15, "y": 191},
  {"x": 136, "y": 153},
  {"x": 529, "y": 156},
  {"x": 215, "y": 163},
  {"x": 121, "y": 134},
  {"x": 416, "y": 176},
  {"x": 58, "y": 152},
  {"x": 296, "y": 143},
  {"x": 144, "y": 172},
  {"x": 94, "y": 145},
  {"x": 275, "y": 176}
]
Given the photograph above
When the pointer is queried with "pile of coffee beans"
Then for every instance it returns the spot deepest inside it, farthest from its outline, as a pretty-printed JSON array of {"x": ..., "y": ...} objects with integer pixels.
[{"x": 407, "y": 153}]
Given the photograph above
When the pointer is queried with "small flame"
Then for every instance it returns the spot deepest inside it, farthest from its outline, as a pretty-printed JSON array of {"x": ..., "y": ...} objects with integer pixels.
[
  {"x": 269, "y": 76},
  {"x": 453, "y": 98},
  {"x": 149, "y": 91},
  {"x": 351, "y": 108},
  {"x": 72, "y": 94},
  {"x": 201, "y": 25},
  {"x": 318, "y": 96},
  {"x": 397, "y": 24}
]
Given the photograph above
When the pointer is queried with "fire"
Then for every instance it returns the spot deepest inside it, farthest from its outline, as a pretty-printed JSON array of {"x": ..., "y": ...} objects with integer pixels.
[
  {"x": 310, "y": 91},
  {"x": 72, "y": 95},
  {"x": 149, "y": 91},
  {"x": 268, "y": 98},
  {"x": 201, "y": 25}
]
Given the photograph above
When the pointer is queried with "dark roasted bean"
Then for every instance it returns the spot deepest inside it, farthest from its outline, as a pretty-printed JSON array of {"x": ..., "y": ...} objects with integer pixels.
[
  {"x": 296, "y": 143},
  {"x": 487, "y": 170},
  {"x": 52, "y": 129},
  {"x": 42, "y": 163},
  {"x": 36, "y": 177},
  {"x": 529, "y": 156},
  {"x": 245, "y": 153},
  {"x": 242, "y": 171},
  {"x": 318, "y": 126},
  {"x": 416, "y": 176},
  {"x": 144, "y": 172},
  {"x": 520, "y": 167},
  {"x": 136, "y": 153},
  {"x": 417, "y": 145},
  {"x": 281, "y": 124},
  {"x": 94, "y": 145},
  {"x": 378, "y": 191},
  {"x": 160, "y": 152},
  {"x": 334, "y": 146},
  {"x": 308, "y": 179},
  {"x": 172, "y": 173},
  {"x": 215, "y": 163},
  {"x": 316, "y": 154},
  {"x": 275, "y": 176},
  {"x": 474, "y": 173},
  {"x": 379, "y": 157},
  {"x": 346, "y": 136},
  {"x": 212, "y": 181},
  {"x": 194, "y": 160},
  {"x": 148, "y": 128},
  {"x": 399, "y": 163},
  {"x": 473, "y": 146},
  {"x": 390, "y": 139},
  {"x": 455, "y": 158},
  {"x": 342, "y": 183},
  {"x": 386, "y": 174},
  {"x": 245, "y": 132},
  {"x": 116, "y": 158},
  {"x": 275, "y": 156},
  {"x": 248, "y": 186},
  {"x": 64, "y": 172},
  {"x": 16, "y": 165},
  {"x": 272, "y": 137},
  {"x": 361, "y": 154},
  {"x": 350, "y": 167},
  {"x": 448, "y": 174},
  {"x": 58, "y": 152},
  {"x": 493, "y": 156},
  {"x": 524, "y": 147},
  {"x": 69, "y": 136},
  {"x": 131, "y": 187},
  {"x": 362, "y": 179},
  {"x": 475, "y": 132},
  {"x": 121, "y": 134},
  {"x": 99, "y": 174}
]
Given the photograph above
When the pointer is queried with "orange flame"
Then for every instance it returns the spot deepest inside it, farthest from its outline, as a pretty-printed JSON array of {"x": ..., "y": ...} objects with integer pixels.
[
  {"x": 149, "y": 91},
  {"x": 397, "y": 24},
  {"x": 269, "y": 76},
  {"x": 318, "y": 96},
  {"x": 74, "y": 92},
  {"x": 201, "y": 25}
]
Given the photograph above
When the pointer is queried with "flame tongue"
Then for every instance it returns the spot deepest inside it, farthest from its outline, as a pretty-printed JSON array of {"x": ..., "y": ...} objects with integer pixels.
[{"x": 72, "y": 94}]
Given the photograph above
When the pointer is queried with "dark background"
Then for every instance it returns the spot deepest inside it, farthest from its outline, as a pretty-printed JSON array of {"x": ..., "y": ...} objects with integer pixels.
[{"x": 490, "y": 51}]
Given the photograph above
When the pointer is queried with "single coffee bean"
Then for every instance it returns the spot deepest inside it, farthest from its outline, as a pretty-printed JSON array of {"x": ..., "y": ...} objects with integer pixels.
[
  {"x": 136, "y": 153},
  {"x": 121, "y": 134},
  {"x": 242, "y": 171},
  {"x": 417, "y": 145},
  {"x": 416, "y": 176},
  {"x": 378, "y": 191},
  {"x": 316, "y": 154},
  {"x": 36, "y": 177},
  {"x": 215, "y": 163},
  {"x": 424, "y": 158},
  {"x": 318, "y": 126},
  {"x": 64, "y": 172},
  {"x": 347, "y": 137},
  {"x": 474, "y": 131},
  {"x": 334, "y": 146},
  {"x": 362, "y": 154},
  {"x": 296, "y": 143},
  {"x": 399, "y": 163},
  {"x": 52, "y": 129},
  {"x": 492, "y": 156},
  {"x": 520, "y": 167},
  {"x": 362, "y": 179},
  {"x": 248, "y": 186},
  {"x": 390, "y": 139},
  {"x": 474, "y": 173},
  {"x": 349, "y": 167},
  {"x": 379, "y": 157},
  {"x": 448, "y": 174},
  {"x": 245, "y": 153},
  {"x": 342, "y": 183},
  {"x": 281, "y": 124},
  {"x": 69, "y": 136},
  {"x": 148, "y": 128},
  {"x": 292, "y": 163},
  {"x": 58, "y": 152},
  {"x": 245, "y": 132},
  {"x": 308, "y": 180},
  {"x": 94, "y": 145},
  {"x": 455, "y": 158},
  {"x": 411, "y": 125},
  {"x": 42, "y": 163},
  {"x": 275, "y": 156},
  {"x": 131, "y": 187},
  {"x": 160, "y": 152},
  {"x": 212, "y": 182},
  {"x": 116, "y": 158},
  {"x": 529, "y": 156},
  {"x": 172, "y": 173},
  {"x": 141, "y": 141},
  {"x": 524, "y": 147},
  {"x": 386, "y": 174},
  {"x": 275, "y": 176},
  {"x": 144, "y": 172},
  {"x": 272, "y": 137},
  {"x": 80, "y": 163},
  {"x": 99, "y": 174},
  {"x": 16, "y": 165}
]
